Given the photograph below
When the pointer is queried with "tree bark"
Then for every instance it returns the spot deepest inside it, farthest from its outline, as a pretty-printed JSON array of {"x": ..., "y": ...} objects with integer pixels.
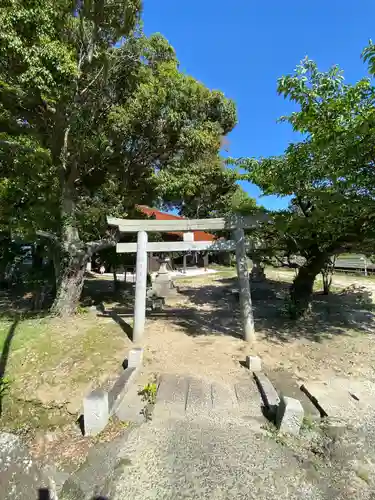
[
  {"x": 302, "y": 288},
  {"x": 327, "y": 273},
  {"x": 70, "y": 279},
  {"x": 70, "y": 283}
]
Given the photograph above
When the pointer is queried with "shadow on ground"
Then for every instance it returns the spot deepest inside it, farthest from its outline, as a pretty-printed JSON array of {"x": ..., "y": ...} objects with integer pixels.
[
  {"x": 20, "y": 301},
  {"x": 46, "y": 494},
  {"x": 97, "y": 290},
  {"x": 214, "y": 309},
  {"x": 206, "y": 309},
  {"x": 4, "y": 359},
  {"x": 114, "y": 314}
]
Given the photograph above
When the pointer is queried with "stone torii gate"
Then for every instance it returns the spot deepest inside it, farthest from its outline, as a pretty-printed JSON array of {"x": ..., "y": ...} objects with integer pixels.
[{"x": 235, "y": 223}]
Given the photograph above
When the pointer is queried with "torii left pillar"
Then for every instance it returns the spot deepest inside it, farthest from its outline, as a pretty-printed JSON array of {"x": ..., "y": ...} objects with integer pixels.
[{"x": 140, "y": 287}]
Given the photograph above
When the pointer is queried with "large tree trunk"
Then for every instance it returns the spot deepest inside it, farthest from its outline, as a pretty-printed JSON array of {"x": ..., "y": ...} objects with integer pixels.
[
  {"x": 72, "y": 253},
  {"x": 72, "y": 257},
  {"x": 327, "y": 274},
  {"x": 302, "y": 288},
  {"x": 72, "y": 266},
  {"x": 70, "y": 283}
]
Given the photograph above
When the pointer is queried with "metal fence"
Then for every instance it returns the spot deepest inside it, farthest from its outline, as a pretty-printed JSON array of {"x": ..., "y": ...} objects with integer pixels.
[{"x": 354, "y": 264}]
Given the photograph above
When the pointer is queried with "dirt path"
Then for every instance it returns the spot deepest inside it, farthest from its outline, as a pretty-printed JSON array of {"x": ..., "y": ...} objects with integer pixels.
[
  {"x": 214, "y": 356},
  {"x": 201, "y": 335}
]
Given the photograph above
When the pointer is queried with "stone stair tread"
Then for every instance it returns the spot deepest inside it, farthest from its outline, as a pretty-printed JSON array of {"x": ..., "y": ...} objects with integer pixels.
[
  {"x": 248, "y": 397},
  {"x": 192, "y": 397},
  {"x": 223, "y": 397},
  {"x": 199, "y": 398},
  {"x": 171, "y": 395}
]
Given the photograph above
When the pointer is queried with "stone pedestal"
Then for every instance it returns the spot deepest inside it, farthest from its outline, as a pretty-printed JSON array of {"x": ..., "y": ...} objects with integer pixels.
[{"x": 163, "y": 285}]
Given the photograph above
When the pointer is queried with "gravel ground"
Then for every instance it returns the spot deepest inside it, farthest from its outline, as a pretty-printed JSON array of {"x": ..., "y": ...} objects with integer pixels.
[
  {"x": 201, "y": 335},
  {"x": 218, "y": 458}
]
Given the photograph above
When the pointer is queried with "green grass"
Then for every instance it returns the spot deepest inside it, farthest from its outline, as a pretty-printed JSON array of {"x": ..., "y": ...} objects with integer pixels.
[
  {"x": 222, "y": 272},
  {"x": 52, "y": 364},
  {"x": 26, "y": 331}
]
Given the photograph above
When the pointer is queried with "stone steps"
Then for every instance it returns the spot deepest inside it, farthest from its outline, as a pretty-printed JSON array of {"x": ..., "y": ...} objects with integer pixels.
[{"x": 181, "y": 396}]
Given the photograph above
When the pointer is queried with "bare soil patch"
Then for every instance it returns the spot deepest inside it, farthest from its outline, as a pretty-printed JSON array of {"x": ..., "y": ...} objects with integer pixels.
[
  {"x": 51, "y": 365},
  {"x": 202, "y": 334}
]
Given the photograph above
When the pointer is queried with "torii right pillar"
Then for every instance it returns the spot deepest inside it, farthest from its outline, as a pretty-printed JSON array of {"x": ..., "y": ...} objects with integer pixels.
[{"x": 244, "y": 287}]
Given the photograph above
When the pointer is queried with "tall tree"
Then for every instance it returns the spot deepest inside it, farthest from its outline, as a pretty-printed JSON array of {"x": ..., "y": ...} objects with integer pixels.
[
  {"x": 203, "y": 190},
  {"x": 207, "y": 189},
  {"x": 330, "y": 174},
  {"x": 92, "y": 112},
  {"x": 241, "y": 202}
]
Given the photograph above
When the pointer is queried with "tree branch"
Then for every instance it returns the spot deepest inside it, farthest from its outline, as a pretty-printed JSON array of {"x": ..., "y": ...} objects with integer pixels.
[
  {"x": 304, "y": 207},
  {"x": 92, "y": 81},
  {"x": 48, "y": 236},
  {"x": 97, "y": 246},
  {"x": 64, "y": 149}
]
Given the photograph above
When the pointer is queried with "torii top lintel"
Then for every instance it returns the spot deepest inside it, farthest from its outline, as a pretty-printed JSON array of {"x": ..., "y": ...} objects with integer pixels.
[{"x": 165, "y": 226}]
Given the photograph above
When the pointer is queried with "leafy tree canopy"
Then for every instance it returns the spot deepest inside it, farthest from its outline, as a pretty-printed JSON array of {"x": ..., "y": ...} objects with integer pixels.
[
  {"x": 92, "y": 112},
  {"x": 205, "y": 189},
  {"x": 329, "y": 174}
]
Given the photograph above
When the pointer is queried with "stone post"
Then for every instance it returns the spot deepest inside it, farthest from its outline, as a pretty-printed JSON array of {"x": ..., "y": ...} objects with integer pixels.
[
  {"x": 244, "y": 286},
  {"x": 257, "y": 271},
  {"x": 289, "y": 417},
  {"x": 95, "y": 412},
  {"x": 135, "y": 357},
  {"x": 205, "y": 261},
  {"x": 140, "y": 287}
]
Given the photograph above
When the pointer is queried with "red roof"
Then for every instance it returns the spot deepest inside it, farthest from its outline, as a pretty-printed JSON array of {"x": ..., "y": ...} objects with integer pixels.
[{"x": 152, "y": 212}]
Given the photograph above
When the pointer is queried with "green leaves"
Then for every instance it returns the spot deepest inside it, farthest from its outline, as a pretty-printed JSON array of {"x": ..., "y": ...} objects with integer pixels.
[
  {"x": 201, "y": 189},
  {"x": 111, "y": 19},
  {"x": 330, "y": 174},
  {"x": 87, "y": 126},
  {"x": 368, "y": 55}
]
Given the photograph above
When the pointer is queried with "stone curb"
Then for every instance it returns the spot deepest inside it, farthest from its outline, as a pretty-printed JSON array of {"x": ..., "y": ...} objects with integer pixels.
[
  {"x": 314, "y": 401},
  {"x": 268, "y": 393},
  {"x": 289, "y": 416},
  {"x": 119, "y": 389},
  {"x": 285, "y": 411},
  {"x": 100, "y": 405}
]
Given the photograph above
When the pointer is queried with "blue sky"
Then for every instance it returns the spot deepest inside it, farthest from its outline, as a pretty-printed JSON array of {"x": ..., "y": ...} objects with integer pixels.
[{"x": 242, "y": 46}]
